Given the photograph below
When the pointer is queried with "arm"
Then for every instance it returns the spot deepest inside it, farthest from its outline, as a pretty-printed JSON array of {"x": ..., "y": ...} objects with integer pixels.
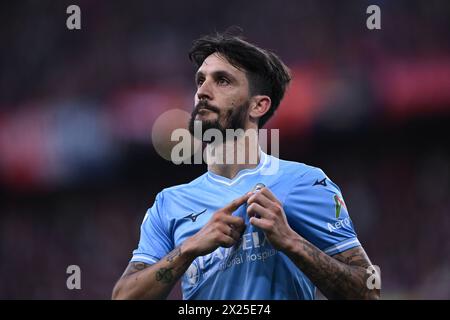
[
  {"x": 342, "y": 276},
  {"x": 143, "y": 281}
]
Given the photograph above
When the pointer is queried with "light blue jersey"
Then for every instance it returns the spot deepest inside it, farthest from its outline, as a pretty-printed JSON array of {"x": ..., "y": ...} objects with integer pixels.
[{"x": 253, "y": 269}]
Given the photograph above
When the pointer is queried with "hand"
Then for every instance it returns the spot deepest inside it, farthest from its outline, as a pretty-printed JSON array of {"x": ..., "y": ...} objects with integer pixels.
[
  {"x": 222, "y": 230},
  {"x": 266, "y": 212}
]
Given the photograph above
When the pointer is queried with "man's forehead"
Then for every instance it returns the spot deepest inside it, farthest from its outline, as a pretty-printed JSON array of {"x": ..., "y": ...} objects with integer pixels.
[{"x": 216, "y": 61}]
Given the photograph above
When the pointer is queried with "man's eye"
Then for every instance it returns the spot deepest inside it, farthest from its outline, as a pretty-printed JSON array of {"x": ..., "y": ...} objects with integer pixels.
[
  {"x": 223, "y": 81},
  {"x": 200, "y": 82}
]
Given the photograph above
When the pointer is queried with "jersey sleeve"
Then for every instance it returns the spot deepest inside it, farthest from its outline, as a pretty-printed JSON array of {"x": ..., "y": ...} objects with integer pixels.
[
  {"x": 155, "y": 241},
  {"x": 316, "y": 210}
]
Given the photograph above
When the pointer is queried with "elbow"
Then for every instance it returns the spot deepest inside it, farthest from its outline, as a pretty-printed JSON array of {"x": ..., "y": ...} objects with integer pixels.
[
  {"x": 374, "y": 288},
  {"x": 117, "y": 292},
  {"x": 373, "y": 295}
]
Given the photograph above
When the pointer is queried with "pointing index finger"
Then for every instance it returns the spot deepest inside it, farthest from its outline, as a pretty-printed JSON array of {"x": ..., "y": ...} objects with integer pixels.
[{"x": 236, "y": 203}]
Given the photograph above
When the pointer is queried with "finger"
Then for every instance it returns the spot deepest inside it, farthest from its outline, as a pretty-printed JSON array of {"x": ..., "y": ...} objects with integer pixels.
[
  {"x": 256, "y": 209},
  {"x": 241, "y": 228},
  {"x": 263, "y": 224},
  {"x": 261, "y": 199},
  {"x": 236, "y": 235},
  {"x": 230, "y": 231},
  {"x": 266, "y": 191},
  {"x": 226, "y": 241},
  {"x": 235, "y": 221},
  {"x": 236, "y": 203}
]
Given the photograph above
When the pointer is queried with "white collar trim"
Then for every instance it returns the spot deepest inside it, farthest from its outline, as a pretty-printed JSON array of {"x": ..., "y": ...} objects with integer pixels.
[{"x": 245, "y": 172}]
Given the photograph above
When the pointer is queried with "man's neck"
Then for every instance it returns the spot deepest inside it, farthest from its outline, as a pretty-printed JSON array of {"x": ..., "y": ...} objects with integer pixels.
[{"x": 229, "y": 158}]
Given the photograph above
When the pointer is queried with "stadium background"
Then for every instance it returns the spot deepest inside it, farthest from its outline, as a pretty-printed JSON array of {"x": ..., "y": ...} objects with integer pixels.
[{"x": 77, "y": 166}]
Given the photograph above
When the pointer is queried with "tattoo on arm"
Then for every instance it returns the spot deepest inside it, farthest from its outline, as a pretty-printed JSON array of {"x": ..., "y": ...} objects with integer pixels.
[
  {"x": 140, "y": 266},
  {"x": 343, "y": 276},
  {"x": 164, "y": 275},
  {"x": 134, "y": 267},
  {"x": 354, "y": 257},
  {"x": 152, "y": 281},
  {"x": 173, "y": 254}
]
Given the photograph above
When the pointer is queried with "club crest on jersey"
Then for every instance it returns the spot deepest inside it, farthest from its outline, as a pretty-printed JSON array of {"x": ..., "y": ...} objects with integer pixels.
[
  {"x": 339, "y": 204},
  {"x": 192, "y": 274}
]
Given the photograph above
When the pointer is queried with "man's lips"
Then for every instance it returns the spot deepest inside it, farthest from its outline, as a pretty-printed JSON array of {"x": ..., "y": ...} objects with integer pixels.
[{"x": 204, "y": 111}]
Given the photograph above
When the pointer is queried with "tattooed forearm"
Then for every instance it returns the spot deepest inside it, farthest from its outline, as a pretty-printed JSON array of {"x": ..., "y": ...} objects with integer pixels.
[
  {"x": 167, "y": 275},
  {"x": 173, "y": 254},
  {"x": 340, "y": 277},
  {"x": 164, "y": 275},
  {"x": 140, "y": 266},
  {"x": 134, "y": 267},
  {"x": 144, "y": 281}
]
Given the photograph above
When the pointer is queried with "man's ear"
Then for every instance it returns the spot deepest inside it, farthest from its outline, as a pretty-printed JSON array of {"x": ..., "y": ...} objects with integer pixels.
[{"x": 259, "y": 106}]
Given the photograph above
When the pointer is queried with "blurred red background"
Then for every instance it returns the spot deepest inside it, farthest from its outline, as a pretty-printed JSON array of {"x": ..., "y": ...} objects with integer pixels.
[{"x": 77, "y": 166}]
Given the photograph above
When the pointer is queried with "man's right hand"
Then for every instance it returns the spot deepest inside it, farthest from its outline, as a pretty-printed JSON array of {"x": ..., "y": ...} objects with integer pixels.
[
  {"x": 222, "y": 230},
  {"x": 143, "y": 281}
]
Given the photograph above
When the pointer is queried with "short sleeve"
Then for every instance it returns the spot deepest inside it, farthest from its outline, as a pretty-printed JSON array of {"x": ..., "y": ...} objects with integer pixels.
[
  {"x": 316, "y": 210},
  {"x": 154, "y": 242}
]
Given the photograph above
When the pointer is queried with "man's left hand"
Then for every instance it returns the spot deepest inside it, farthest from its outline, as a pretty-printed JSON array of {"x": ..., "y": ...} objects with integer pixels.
[{"x": 266, "y": 212}]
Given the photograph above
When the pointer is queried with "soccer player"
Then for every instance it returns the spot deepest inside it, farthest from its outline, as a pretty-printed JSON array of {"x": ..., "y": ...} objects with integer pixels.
[{"x": 226, "y": 238}]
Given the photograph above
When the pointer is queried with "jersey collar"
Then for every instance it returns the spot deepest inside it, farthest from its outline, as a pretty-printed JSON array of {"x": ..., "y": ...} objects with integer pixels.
[{"x": 245, "y": 172}]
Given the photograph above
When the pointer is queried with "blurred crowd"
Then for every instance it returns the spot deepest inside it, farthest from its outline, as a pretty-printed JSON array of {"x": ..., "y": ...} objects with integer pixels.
[
  {"x": 77, "y": 166},
  {"x": 398, "y": 198}
]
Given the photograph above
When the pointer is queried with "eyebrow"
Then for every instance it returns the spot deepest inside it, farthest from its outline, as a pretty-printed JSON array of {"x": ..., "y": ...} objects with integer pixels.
[{"x": 216, "y": 74}]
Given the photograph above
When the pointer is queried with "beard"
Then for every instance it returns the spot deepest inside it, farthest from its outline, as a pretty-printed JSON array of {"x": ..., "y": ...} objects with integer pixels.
[{"x": 233, "y": 118}]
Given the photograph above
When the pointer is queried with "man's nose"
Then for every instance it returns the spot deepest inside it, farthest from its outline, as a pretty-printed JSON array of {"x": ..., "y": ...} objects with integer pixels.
[{"x": 204, "y": 91}]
